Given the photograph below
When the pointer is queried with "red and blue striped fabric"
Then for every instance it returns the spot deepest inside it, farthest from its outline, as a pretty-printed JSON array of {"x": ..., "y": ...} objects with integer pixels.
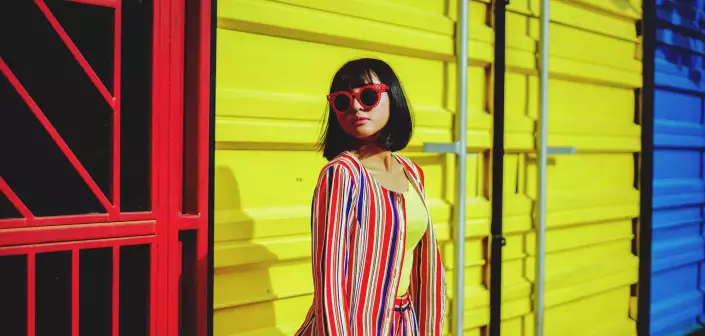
[{"x": 358, "y": 237}]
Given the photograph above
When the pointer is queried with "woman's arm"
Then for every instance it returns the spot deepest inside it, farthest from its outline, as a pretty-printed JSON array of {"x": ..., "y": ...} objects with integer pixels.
[{"x": 330, "y": 219}]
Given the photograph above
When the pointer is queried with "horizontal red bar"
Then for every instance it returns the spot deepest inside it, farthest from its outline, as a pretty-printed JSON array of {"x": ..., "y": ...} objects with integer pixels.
[
  {"x": 191, "y": 222},
  {"x": 12, "y": 223},
  {"x": 131, "y": 216},
  {"x": 58, "y": 220},
  {"x": 104, "y": 3},
  {"x": 41, "y": 235},
  {"x": 64, "y": 246},
  {"x": 75, "y": 219}
]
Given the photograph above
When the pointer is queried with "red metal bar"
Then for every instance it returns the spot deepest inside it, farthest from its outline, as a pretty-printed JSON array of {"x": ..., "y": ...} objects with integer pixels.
[
  {"x": 103, "y": 3},
  {"x": 16, "y": 201},
  {"x": 176, "y": 127},
  {"x": 75, "y": 219},
  {"x": 51, "y": 221},
  {"x": 31, "y": 302},
  {"x": 204, "y": 111},
  {"x": 130, "y": 216},
  {"x": 55, "y": 135},
  {"x": 74, "y": 51},
  {"x": 10, "y": 223},
  {"x": 31, "y": 296},
  {"x": 161, "y": 167},
  {"x": 202, "y": 281},
  {"x": 64, "y": 246},
  {"x": 13, "y": 223},
  {"x": 116, "y": 107},
  {"x": 116, "y": 291},
  {"x": 37, "y": 235},
  {"x": 160, "y": 134},
  {"x": 75, "y": 281},
  {"x": 189, "y": 222},
  {"x": 154, "y": 295}
]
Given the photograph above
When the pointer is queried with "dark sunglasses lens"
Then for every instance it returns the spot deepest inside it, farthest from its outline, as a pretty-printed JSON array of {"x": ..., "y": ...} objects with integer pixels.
[
  {"x": 369, "y": 97},
  {"x": 341, "y": 102}
]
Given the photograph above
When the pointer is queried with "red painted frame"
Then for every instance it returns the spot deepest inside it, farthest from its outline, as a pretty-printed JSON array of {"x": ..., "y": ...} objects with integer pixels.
[{"x": 160, "y": 227}]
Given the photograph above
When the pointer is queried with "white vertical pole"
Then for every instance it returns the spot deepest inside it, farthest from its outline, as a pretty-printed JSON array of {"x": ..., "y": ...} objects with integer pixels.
[
  {"x": 462, "y": 152},
  {"x": 542, "y": 159}
]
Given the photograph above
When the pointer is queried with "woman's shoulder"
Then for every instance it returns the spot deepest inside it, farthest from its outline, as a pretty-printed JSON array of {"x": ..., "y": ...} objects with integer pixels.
[
  {"x": 344, "y": 163},
  {"x": 411, "y": 166}
]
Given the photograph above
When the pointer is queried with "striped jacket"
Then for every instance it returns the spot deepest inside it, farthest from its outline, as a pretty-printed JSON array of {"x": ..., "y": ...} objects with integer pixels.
[{"x": 358, "y": 239}]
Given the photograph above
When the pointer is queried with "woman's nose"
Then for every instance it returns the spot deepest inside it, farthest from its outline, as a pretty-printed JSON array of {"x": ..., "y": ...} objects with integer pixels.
[{"x": 356, "y": 105}]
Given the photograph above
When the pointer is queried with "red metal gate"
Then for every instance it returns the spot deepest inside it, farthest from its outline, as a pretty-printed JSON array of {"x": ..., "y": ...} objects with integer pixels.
[{"x": 104, "y": 166}]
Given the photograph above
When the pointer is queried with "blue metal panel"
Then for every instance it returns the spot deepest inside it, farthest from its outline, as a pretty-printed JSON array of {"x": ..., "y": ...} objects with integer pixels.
[{"x": 678, "y": 244}]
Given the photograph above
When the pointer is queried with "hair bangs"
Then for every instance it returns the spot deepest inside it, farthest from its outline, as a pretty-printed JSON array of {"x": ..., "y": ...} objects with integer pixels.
[{"x": 351, "y": 77}]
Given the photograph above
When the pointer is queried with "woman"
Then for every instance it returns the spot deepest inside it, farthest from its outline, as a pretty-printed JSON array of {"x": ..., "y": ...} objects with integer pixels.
[{"x": 376, "y": 265}]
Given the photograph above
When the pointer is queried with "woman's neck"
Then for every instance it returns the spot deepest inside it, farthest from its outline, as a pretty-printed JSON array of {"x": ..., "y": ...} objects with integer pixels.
[{"x": 375, "y": 158}]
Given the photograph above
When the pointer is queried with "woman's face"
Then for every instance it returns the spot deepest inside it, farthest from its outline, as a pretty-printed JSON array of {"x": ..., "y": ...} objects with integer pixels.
[{"x": 361, "y": 123}]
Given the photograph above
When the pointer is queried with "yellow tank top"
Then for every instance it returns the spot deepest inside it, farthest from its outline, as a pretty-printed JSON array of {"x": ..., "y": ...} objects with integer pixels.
[{"x": 416, "y": 225}]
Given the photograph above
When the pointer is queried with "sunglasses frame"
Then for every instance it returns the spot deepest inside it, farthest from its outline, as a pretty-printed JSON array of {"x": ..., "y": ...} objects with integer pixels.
[{"x": 379, "y": 88}]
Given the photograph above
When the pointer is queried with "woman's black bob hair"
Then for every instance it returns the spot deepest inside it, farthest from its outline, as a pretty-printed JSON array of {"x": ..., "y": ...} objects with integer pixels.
[{"x": 394, "y": 136}]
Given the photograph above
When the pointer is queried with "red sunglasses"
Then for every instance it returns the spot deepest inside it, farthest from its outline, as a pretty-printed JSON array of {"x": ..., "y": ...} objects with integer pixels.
[{"x": 368, "y": 97}]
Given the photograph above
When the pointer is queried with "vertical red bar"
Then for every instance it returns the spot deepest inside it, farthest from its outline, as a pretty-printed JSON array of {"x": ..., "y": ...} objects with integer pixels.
[
  {"x": 116, "y": 291},
  {"x": 116, "y": 107},
  {"x": 204, "y": 110},
  {"x": 31, "y": 298},
  {"x": 74, "y": 292},
  {"x": 153, "y": 295},
  {"x": 176, "y": 106},
  {"x": 202, "y": 281},
  {"x": 161, "y": 165}
]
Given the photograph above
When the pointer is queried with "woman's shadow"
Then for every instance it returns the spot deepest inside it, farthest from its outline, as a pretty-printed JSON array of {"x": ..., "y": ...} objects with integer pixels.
[{"x": 243, "y": 297}]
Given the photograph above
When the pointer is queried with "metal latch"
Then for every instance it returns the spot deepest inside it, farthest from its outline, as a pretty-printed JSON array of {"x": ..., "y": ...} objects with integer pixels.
[
  {"x": 497, "y": 238},
  {"x": 561, "y": 150},
  {"x": 446, "y": 148}
]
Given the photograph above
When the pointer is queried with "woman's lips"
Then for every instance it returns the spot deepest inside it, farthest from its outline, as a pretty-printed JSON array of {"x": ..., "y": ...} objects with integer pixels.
[{"x": 359, "y": 121}]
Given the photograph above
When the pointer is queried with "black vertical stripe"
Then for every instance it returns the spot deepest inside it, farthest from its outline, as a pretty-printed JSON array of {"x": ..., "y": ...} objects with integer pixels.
[
  {"x": 648, "y": 29},
  {"x": 497, "y": 169}
]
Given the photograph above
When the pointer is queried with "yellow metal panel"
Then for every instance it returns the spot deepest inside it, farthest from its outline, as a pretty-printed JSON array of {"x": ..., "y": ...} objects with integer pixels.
[
  {"x": 275, "y": 60},
  {"x": 513, "y": 327},
  {"x": 592, "y": 201},
  {"x": 593, "y": 18},
  {"x": 426, "y": 15},
  {"x": 516, "y": 288},
  {"x": 584, "y": 318},
  {"x": 593, "y": 48},
  {"x": 273, "y": 116},
  {"x": 579, "y": 182},
  {"x": 625, "y": 8},
  {"x": 281, "y": 19},
  {"x": 278, "y": 317},
  {"x": 612, "y": 18}
]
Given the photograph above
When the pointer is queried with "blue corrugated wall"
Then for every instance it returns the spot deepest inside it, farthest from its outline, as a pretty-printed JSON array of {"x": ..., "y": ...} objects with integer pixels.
[{"x": 678, "y": 257}]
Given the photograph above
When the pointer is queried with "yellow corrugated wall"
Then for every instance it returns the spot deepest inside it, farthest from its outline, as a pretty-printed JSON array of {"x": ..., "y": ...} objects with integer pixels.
[
  {"x": 275, "y": 60},
  {"x": 592, "y": 199}
]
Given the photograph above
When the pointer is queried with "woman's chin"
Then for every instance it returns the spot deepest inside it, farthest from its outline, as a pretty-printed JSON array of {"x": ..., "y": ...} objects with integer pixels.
[
  {"x": 367, "y": 136},
  {"x": 364, "y": 132}
]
